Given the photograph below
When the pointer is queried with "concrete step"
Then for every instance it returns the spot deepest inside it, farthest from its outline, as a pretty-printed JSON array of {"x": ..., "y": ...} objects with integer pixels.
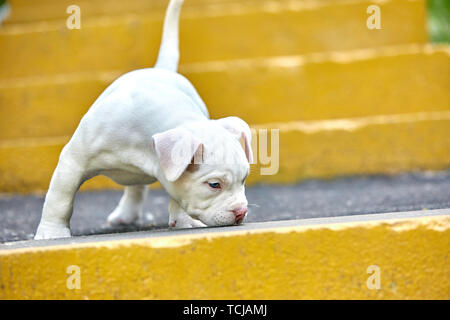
[
  {"x": 217, "y": 30},
  {"x": 24, "y": 11},
  {"x": 360, "y": 83},
  {"x": 296, "y": 259},
  {"x": 315, "y": 149},
  {"x": 49, "y": 10}
]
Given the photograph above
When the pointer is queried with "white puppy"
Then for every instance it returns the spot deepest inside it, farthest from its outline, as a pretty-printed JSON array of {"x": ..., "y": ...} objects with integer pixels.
[{"x": 151, "y": 125}]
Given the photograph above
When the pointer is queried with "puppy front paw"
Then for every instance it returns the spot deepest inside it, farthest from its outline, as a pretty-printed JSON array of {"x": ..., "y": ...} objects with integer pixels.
[
  {"x": 51, "y": 231},
  {"x": 186, "y": 222}
]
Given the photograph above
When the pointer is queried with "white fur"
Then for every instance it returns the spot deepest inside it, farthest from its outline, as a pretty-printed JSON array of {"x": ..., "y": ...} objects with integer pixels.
[{"x": 129, "y": 135}]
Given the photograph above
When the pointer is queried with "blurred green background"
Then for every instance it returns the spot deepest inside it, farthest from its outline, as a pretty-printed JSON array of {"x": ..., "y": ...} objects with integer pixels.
[{"x": 439, "y": 20}]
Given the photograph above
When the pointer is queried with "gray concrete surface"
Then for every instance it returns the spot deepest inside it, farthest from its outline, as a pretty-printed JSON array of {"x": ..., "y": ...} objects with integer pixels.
[
  {"x": 19, "y": 215},
  {"x": 243, "y": 227}
]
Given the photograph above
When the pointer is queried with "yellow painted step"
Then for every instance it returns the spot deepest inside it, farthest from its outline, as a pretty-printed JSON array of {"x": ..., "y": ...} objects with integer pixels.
[
  {"x": 311, "y": 149},
  {"x": 218, "y": 31},
  {"x": 362, "y": 146},
  {"x": 389, "y": 80},
  {"x": 24, "y": 11},
  {"x": 337, "y": 258}
]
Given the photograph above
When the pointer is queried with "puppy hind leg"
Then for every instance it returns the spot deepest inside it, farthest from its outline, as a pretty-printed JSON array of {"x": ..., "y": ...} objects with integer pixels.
[{"x": 130, "y": 207}]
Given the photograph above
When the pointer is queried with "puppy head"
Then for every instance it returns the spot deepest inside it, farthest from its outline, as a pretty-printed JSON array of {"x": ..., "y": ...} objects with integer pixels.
[{"x": 204, "y": 168}]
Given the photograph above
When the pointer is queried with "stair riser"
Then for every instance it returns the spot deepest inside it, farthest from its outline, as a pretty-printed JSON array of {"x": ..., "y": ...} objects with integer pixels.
[
  {"x": 132, "y": 41},
  {"x": 371, "y": 149},
  {"x": 259, "y": 92}
]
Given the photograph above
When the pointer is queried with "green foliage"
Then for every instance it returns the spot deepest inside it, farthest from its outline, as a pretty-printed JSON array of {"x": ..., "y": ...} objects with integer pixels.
[{"x": 439, "y": 20}]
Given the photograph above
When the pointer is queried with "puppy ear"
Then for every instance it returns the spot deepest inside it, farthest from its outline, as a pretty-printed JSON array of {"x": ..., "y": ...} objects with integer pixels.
[
  {"x": 175, "y": 149},
  {"x": 240, "y": 129}
]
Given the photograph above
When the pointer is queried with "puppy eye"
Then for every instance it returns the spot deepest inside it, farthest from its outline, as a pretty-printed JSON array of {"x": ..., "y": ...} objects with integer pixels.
[{"x": 214, "y": 185}]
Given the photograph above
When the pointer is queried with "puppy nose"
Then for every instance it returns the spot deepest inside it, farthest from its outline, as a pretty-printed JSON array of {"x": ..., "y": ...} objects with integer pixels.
[{"x": 240, "y": 213}]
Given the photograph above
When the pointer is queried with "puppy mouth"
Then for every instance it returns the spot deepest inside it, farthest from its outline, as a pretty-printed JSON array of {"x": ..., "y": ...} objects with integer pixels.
[{"x": 239, "y": 219}]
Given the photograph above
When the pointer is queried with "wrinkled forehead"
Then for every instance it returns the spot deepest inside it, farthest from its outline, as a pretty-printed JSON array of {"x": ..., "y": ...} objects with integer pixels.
[{"x": 223, "y": 149}]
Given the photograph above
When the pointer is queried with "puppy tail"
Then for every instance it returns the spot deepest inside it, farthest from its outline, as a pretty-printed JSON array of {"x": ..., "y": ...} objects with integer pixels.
[{"x": 169, "y": 53}]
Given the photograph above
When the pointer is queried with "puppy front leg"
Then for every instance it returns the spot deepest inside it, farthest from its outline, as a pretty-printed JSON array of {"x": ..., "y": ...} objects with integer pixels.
[
  {"x": 130, "y": 206},
  {"x": 178, "y": 218},
  {"x": 58, "y": 204}
]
